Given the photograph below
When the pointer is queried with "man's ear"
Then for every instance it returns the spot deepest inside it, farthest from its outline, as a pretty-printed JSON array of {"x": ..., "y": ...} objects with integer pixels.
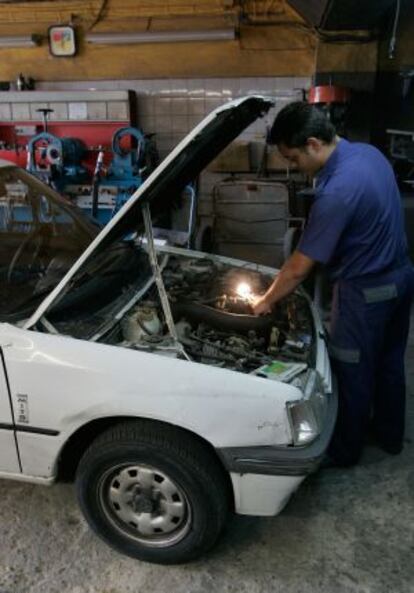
[{"x": 314, "y": 143}]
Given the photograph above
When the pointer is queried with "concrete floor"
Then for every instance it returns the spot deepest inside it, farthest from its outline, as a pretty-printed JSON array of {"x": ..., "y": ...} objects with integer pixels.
[{"x": 345, "y": 531}]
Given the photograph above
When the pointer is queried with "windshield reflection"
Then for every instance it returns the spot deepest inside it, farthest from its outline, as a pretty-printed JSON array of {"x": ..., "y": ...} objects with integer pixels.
[{"x": 41, "y": 236}]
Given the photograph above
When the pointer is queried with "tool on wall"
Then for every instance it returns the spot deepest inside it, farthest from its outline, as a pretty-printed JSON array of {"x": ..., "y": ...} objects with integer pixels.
[{"x": 24, "y": 84}]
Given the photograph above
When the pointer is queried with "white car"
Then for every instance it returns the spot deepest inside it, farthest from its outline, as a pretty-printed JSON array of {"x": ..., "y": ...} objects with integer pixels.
[{"x": 138, "y": 370}]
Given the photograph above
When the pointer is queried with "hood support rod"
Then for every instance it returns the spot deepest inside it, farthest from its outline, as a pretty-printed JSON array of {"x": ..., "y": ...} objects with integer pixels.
[{"x": 165, "y": 303}]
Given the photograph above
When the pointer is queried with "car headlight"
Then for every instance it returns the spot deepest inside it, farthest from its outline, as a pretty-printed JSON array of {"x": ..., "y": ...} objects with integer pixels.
[{"x": 307, "y": 415}]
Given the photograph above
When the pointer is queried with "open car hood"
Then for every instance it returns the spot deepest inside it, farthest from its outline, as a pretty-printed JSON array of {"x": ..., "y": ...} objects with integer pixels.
[{"x": 179, "y": 168}]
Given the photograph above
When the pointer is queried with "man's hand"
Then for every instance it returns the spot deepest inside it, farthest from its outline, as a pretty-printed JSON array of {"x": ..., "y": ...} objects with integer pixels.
[
  {"x": 293, "y": 272},
  {"x": 260, "y": 305}
]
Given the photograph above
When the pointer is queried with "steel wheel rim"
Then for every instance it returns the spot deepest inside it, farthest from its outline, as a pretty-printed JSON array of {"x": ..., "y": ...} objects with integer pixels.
[{"x": 145, "y": 504}]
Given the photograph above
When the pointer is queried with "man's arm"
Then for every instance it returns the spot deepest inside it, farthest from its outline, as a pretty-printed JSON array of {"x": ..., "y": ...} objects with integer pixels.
[{"x": 293, "y": 272}]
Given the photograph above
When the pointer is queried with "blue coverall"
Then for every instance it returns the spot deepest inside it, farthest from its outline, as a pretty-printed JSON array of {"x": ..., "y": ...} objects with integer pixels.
[{"x": 356, "y": 228}]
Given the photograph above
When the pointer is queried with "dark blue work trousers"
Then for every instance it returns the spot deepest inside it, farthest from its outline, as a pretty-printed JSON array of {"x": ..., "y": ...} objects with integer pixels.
[{"x": 368, "y": 337}]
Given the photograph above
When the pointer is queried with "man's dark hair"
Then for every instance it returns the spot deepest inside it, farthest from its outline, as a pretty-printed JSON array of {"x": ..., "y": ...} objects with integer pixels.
[{"x": 297, "y": 122}]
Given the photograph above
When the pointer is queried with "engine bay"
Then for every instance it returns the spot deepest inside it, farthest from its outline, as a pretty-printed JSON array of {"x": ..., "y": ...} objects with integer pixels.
[{"x": 214, "y": 323}]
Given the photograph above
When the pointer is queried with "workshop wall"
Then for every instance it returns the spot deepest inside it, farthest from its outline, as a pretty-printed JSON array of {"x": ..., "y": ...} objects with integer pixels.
[
  {"x": 273, "y": 40},
  {"x": 403, "y": 57},
  {"x": 395, "y": 81},
  {"x": 394, "y": 104},
  {"x": 170, "y": 108},
  {"x": 284, "y": 47},
  {"x": 351, "y": 64}
]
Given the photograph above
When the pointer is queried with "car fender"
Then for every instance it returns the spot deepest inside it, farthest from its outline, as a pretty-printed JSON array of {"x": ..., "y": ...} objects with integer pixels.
[{"x": 69, "y": 383}]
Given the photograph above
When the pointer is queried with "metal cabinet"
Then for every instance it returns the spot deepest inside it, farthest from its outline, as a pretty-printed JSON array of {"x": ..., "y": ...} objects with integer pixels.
[{"x": 250, "y": 220}]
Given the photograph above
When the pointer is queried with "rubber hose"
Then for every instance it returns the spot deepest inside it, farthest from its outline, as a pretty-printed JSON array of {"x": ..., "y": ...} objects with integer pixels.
[{"x": 221, "y": 320}]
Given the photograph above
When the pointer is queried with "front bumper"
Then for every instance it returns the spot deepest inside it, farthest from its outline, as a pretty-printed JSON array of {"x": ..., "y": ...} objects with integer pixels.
[{"x": 283, "y": 461}]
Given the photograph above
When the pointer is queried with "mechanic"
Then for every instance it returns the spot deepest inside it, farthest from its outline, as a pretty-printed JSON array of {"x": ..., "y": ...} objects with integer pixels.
[{"x": 356, "y": 229}]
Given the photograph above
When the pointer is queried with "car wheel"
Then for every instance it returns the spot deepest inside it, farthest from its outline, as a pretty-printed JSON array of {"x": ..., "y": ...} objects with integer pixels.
[{"x": 153, "y": 492}]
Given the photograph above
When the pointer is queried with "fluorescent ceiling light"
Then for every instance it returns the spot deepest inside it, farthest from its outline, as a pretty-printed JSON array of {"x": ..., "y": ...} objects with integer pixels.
[
  {"x": 19, "y": 41},
  {"x": 162, "y": 36}
]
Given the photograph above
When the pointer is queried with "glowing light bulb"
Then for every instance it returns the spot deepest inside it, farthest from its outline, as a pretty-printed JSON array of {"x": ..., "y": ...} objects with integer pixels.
[{"x": 244, "y": 291}]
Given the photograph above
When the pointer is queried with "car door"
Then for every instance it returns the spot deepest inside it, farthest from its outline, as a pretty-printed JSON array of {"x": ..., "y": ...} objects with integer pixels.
[{"x": 9, "y": 461}]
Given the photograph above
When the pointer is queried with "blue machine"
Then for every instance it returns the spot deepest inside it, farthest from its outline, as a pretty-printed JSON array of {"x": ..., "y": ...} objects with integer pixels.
[
  {"x": 56, "y": 161},
  {"x": 124, "y": 175}
]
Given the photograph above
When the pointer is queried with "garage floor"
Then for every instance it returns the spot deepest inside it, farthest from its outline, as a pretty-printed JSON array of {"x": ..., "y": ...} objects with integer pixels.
[{"x": 345, "y": 531}]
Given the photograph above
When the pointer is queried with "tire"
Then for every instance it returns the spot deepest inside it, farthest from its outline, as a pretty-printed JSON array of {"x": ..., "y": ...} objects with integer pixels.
[{"x": 153, "y": 492}]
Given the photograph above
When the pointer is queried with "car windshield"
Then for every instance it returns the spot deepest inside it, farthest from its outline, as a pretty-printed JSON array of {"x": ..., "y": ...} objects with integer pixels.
[{"x": 41, "y": 236}]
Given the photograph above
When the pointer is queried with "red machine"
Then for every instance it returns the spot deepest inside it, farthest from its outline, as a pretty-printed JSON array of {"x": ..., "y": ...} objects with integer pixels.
[{"x": 334, "y": 101}]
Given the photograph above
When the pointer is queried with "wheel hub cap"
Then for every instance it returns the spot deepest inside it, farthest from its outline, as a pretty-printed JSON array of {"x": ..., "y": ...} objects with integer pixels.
[
  {"x": 145, "y": 504},
  {"x": 142, "y": 504}
]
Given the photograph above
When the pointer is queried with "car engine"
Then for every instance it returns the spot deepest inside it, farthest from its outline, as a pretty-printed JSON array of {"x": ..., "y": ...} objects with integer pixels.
[{"x": 214, "y": 323}]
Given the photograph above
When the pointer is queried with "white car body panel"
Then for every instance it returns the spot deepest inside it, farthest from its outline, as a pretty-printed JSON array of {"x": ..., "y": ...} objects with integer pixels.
[
  {"x": 27, "y": 479},
  {"x": 9, "y": 461},
  {"x": 8, "y": 453},
  {"x": 256, "y": 494},
  {"x": 87, "y": 381}
]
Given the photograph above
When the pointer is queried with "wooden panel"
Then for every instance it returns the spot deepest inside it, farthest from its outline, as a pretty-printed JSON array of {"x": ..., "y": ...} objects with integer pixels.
[
  {"x": 277, "y": 38},
  {"x": 347, "y": 57},
  {"x": 282, "y": 49},
  {"x": 259, "y": 52},
  {"x": 88, "y": 10},
  {"x": 179, "y": 60},
  {"x": 269, "y": 11}
]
